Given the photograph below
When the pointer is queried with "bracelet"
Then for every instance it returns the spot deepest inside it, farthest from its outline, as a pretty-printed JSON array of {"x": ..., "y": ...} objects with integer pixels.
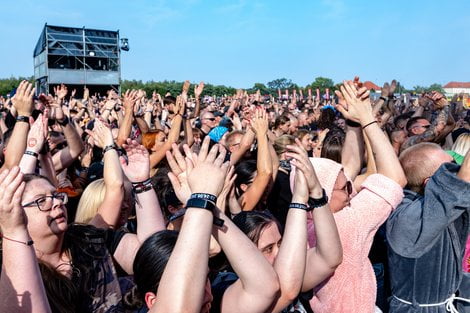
[
  {"x": 363, "y": 127},
  {"x": 31, "y": 153},
  {"x": 22, "y": 118},
  {"x": 300, "y": 206},
  {"x": 383, "y": 98},
  {"x": 64, "y": 122},
  {"x": 314, "y": 203},
  {"x": 198, "y": 203},
  {"x": 28, "y": 243},
  {"x": 142, "y": 189},
  {"x": 204, "y": 196},
  {"x": 109, "y": 147}
]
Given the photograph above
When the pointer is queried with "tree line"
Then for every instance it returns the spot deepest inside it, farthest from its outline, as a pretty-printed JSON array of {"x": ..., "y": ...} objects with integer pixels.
[{"x": 174, "y": 87}]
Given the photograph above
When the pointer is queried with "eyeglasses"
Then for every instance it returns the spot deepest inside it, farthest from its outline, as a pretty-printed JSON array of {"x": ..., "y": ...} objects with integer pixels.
[
  {"x": 44, "y": 203},
  {"x": 347, "y": 188}
]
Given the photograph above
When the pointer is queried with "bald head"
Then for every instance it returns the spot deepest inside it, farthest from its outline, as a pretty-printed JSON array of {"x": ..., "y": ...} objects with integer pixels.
[{"x": 421, "y": 161}]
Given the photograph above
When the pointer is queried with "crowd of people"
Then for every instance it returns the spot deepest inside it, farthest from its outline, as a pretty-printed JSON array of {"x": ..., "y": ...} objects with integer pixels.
[{"x": 239, "y": 204}]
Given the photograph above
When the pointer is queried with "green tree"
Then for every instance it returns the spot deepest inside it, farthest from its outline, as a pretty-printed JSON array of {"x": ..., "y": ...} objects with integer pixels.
[
  {"x": 322, "y": 83},
  {"x": 8, "y": 84},
  {"x": 436, "y": 87},
  {"x": 282, "y": 83}
]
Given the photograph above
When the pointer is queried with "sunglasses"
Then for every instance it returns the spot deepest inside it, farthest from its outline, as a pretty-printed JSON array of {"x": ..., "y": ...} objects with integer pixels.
[{"x": 210, "y": 119}]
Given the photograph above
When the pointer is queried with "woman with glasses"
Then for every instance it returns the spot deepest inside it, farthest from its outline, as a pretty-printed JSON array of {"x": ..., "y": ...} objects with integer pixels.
[
  {"x": 357, "y": 216},
  {"x": 76, "y": 261}
]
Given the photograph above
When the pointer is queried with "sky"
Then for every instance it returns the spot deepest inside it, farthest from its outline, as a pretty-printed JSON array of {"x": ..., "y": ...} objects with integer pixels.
[{"x": 242, "y": 42}]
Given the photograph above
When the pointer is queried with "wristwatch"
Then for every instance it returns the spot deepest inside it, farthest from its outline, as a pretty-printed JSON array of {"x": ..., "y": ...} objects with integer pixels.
[{"x": 316, "y": 203}]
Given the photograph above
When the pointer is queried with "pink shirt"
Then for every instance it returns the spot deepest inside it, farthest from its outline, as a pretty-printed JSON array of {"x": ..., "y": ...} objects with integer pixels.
[{"x": 352, "y": 288}]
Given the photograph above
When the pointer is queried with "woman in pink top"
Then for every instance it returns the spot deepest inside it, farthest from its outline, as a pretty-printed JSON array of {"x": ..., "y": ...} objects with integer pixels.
[{"x": 352, "y": 288}]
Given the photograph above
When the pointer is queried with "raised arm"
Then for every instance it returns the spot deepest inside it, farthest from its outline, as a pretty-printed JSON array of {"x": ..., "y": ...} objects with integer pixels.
[
  {"x": 197, "y": 94},
  {"x": 23, "y": 103},
  {"x": 245, "y": 145},
  {"x": 35, "y": 142},
  {"x": 129, "y": 100},
  {"x": 21, "y": 283},
  {"x": 173, "y": 135},
  {"x": 352, "y": 155},
  {"x": 110, "y": 209},
  {"x": 290, "y": 262},
  {"x": 323, "y": 259},
  {"x": 137, "y": 170},
  {"x": 181, "y": 287},
  {"x": 255, "y": 191},
  {"x": 65, "y": 157},
  {"x": 360, "y": 110}
]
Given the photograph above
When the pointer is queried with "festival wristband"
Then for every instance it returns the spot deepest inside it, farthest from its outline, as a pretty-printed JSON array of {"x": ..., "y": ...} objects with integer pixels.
[
  {"x": 300, "y": 206},
  {"x": 207, "y": 205}
]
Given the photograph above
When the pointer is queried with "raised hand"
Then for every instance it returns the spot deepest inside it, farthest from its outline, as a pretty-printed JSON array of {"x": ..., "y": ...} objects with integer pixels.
[
  {"x": 101, "y": 134},
  {"x": 129, "y": 100},
  {"x": 86, "y": 94},
  {"x": 302, "y": 163},
  {"x": 110, "y": 104},
  {"x": 37, "y": 134},
  {"x": 23, "y": 99},
  {"x": 438, "y": 99},
  {"x": 207, "y": 173},
  {"x": 56, "y": 113},
  {"x": 178, "y": 175},
  {"x": 137, "y": 166},
  {"x": 60, "y": 92},
  {"x": 12, "y": 217},
  {"x": 198, "y": 90},
  {"x": 359, "y": 108},
  {"x": 228, "y": 185},
  {"x": 259, "y": 122}
]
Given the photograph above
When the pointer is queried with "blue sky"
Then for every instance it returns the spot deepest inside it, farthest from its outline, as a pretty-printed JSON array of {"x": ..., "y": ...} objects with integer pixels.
[{"x": 241, "y": 42}]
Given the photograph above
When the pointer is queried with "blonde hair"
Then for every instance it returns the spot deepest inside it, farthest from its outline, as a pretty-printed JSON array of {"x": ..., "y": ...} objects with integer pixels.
[
  {"x": 90, "y": 201},
  {"x": 281, "y": 142},
  {"x": 462, "y": 144}
]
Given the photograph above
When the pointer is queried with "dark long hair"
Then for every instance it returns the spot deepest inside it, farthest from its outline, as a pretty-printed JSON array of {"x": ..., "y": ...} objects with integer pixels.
[
  {"x": 244, "y": 171},
  {"x": 150, "y": 262},
  {"x": 252, "y": 223}
]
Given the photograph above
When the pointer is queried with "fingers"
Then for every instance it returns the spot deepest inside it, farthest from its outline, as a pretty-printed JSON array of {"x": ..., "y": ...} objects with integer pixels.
[
  {"x": 175, "y": 168},
  {"x": 221, "y": 157},
  {"x": 178, "y": 156},
  {"x": 18, "y": 194},
  {"x": 204, "y": 149},
  {"x": 174, "y": 181},
  {"x": 212, "y": 154}
]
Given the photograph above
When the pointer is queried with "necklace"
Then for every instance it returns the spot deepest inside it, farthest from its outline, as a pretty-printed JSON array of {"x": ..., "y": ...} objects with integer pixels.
[{"x": 73, "y": 270}]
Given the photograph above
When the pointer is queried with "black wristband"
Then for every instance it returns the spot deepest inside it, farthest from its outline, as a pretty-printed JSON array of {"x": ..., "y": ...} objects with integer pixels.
[
  {"x": 204, "y": 196},
  {"x": 22, "y": 118},
  {"x": 352, "y": 123},
  {"x": 207, "y": 205},
  {"x": 363, "y": 127},
  {"x": 316, "y": 203},
  {"x": 300, "y": 206},
  {"x": 110, "y": 147},
  {"x": 383, "y": 98},
  {"x": 32, "y": 153},
  {"x": 64, "y": 122}
]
